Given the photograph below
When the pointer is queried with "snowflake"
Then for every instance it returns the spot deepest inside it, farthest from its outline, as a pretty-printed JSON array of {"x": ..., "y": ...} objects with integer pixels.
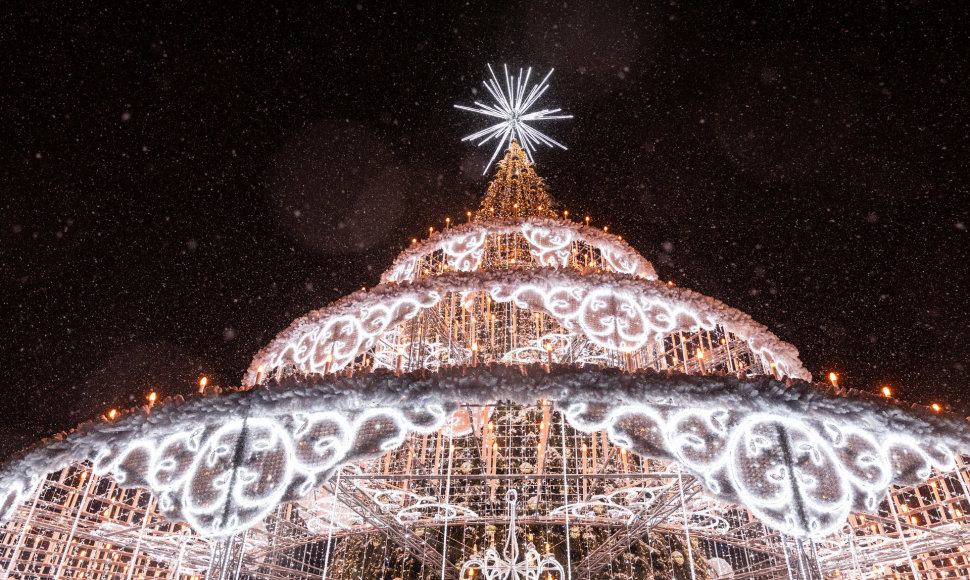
[{"x": 512, "y": 107}]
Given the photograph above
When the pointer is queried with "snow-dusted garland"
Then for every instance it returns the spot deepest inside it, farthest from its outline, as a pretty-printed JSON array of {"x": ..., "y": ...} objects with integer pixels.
[
  {"x": 550, "y": 244},
  {"x": 799, "y": 458},
  {"x": 613, "y": 311}
]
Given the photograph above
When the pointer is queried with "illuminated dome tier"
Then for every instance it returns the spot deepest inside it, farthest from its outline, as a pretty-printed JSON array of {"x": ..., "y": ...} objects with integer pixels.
[
  {"x": 526, "y": 288},
  {"x": 519, "y": 398}
]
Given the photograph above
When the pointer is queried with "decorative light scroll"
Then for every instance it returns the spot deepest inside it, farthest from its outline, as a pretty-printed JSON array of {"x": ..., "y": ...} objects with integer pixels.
[
  {"x": 799, "y": 474},
  {"x": 706, "y": 514},
  {"x": 611, "y": 311},
  {"x": 408, "y": 507},
  {"x": 224, "y": 478},
  {"x": 554, "y": 343},
  {"x": 623, "y": 504},
  {"x": 551, "y": 243},
  {"x": 330, "y": 514},
  {"x": 799, "y": 458}
]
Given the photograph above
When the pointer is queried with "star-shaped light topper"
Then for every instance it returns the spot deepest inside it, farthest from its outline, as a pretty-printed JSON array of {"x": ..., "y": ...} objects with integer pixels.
[{"x": 512, "y": 105}]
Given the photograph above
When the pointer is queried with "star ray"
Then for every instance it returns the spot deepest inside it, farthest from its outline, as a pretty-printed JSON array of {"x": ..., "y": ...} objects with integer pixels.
[{"x": 512, "y": 103}]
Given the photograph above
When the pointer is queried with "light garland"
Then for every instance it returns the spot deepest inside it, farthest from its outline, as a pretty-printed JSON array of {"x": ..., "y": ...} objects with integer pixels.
[
  {"x": 550, "y": 242},
  {"x": 613, "y": 312},
  {"x": 846, "y": 452}
]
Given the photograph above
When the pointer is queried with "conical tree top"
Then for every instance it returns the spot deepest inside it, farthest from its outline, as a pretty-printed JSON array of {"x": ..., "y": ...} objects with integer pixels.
[{"x": 516, "y": 191}]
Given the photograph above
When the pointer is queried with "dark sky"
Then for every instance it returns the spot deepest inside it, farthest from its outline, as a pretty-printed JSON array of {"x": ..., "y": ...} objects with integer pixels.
[{"x": 179, "y": 183}]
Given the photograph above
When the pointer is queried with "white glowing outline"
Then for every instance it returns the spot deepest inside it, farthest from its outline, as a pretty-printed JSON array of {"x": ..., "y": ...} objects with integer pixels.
[
  {"x": 214, "y": 451},
  {"x": 628, "y": 503},
  {"x": 304, "y": 453},
  {"x": 463, "y": 246},
  {"x": 332, "y": 515},
  {"x": 732, "y": 439},
  {"x": 15, "y": 493},
  {"x": 559, "y": 347},
  {"x": 334, "y": 342},
  {"x": 856, "y": 462},
  {"x": 705, "y": 515},
  {"x": 393, "y": 501},
  {"x": 617, "y": 317},
  {"x": 507, "y": 565}
]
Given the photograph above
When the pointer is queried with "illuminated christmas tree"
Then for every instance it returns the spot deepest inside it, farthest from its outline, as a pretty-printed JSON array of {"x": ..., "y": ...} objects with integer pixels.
[
  {"x": 520, "y": 398},
  {"x": 516, "y": 191}
]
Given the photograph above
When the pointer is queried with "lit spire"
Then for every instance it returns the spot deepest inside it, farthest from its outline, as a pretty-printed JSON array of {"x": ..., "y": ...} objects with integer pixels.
[{"x": 516, "y": 190}]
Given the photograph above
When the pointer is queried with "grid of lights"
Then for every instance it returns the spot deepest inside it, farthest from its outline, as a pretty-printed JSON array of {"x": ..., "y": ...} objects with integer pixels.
[
  {"x": 615, "y": 313},
  {"x": 545, "y": 242}
]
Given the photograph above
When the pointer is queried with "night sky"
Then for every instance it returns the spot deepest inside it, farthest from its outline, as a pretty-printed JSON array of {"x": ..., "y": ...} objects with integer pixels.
[{"x": 179, "y": 183}]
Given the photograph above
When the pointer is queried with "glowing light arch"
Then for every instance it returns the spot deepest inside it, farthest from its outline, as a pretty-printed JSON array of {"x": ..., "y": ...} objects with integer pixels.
[
  {"x": 289, "y": 439},
  {"x": 613, "y": 311}
]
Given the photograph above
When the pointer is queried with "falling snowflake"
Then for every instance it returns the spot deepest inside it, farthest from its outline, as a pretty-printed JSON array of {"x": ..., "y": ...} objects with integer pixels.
[{"x": 512, "y": 107}]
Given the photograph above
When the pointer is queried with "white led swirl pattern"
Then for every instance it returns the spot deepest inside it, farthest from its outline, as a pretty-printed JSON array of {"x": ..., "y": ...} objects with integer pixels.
[
  {"x": 706, "y": 514},
  {"x": 225, "y": 478},
  {"x": 551, "y": 243},
  {"x": 408, "y": 507},
  {"x": 799, "y": 458},
  {"x": 330, "y": 514},
  {"x": 801, "y": 475},
  {"x": 626, "y": 504},
  {"x": 611, "y": 311}
]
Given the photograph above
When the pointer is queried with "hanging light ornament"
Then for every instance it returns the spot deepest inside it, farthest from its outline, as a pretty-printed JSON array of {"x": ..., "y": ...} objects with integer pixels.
[{"x": 507, "y": 565}]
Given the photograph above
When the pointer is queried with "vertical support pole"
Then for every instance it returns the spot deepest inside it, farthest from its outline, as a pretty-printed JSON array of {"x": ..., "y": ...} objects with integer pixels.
[
  {"x": 80, "y": 510},
  {"x": 727, "y": 345},
  {"x": 784, "y": 548},
  {"x": 141, "y": 533},
  {"x": 212, "y": 558},
  {"x": 224, "y": 557},
  {"x": 565, "y": 495},
  {"x": 683, "y": 348},
  {"x": 683, "y": 506},
  {"x": 242, "y": 552},
  {"x": 178, "y": 560},
  {"x": 333, "y": 511},
  {"x": 444, "y": 537},
  {"x": 855, "y": 555},
  {"x": 23, "y": 529},
  {"x": 902, "y": 535}
]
